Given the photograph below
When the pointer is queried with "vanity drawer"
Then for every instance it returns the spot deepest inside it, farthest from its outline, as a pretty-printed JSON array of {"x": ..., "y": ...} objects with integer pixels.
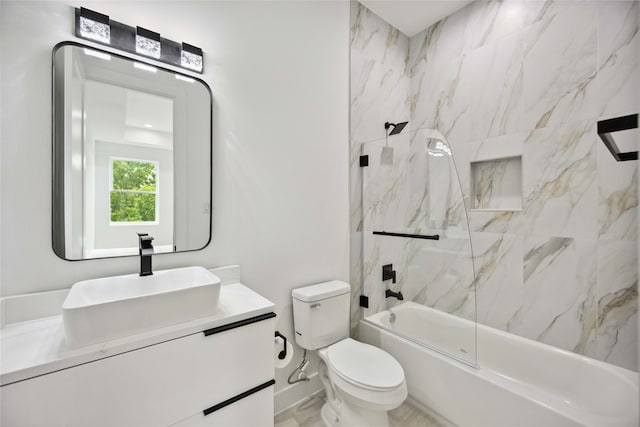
[
  {"x": 255, "y": 410},
  {"x": 153, "y": 386}
]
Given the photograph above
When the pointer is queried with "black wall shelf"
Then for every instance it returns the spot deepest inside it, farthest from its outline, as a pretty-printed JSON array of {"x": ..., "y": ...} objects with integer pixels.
[{"x": 617, "y": 124}]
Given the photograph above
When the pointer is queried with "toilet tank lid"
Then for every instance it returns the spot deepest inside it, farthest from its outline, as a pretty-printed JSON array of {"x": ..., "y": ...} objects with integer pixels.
[{"x": 321, "y": 291}]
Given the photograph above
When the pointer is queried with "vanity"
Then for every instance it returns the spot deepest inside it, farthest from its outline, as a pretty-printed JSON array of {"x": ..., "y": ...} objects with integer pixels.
[{"x": 214, "y": 370}]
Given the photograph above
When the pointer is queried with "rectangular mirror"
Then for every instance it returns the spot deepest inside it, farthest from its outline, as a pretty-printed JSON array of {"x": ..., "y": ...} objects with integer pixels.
[{"x": 131, "y": 154}]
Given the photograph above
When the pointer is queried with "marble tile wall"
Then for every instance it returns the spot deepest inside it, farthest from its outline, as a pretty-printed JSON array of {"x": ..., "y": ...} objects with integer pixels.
[
  {"x": 519, "y": 78},
  {"x": 379, "y": 93}
]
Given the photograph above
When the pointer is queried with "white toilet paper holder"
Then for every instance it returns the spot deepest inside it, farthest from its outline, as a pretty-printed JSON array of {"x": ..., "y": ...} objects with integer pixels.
[{"x": 283, "y": 353}]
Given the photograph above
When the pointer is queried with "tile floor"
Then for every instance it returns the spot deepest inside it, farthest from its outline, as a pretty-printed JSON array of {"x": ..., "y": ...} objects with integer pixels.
[{"x": 307, "y": 414}]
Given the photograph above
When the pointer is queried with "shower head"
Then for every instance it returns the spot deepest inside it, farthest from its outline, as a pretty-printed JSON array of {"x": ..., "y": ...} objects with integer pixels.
[{"x": 397, "y": 127}]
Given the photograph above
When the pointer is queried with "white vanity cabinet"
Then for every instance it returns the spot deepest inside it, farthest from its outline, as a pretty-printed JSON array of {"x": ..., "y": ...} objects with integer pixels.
[{"x": 225, "y": 372}]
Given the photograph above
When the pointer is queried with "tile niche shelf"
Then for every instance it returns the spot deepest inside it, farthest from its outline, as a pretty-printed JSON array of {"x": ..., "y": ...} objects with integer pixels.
[{"x": 496, "y": 184}]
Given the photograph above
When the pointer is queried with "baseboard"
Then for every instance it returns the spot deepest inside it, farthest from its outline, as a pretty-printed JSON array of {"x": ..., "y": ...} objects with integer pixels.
[{"x": 296, "y": 393}]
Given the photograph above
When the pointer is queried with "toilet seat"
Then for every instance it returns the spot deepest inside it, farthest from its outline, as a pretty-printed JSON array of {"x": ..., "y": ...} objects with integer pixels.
[{"x": 365, "y": 365}]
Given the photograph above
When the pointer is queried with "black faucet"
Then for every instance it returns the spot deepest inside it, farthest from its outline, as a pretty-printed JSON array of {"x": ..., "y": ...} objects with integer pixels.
[
  {"x": 388, "y": 273},
  {"x": 389, "y": 293},
  {"x": 146, "y": 250}
]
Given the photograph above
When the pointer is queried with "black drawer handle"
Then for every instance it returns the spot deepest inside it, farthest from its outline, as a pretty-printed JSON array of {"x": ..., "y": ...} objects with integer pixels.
[
  {"x": 240, "y": 396},
  {"x": 238, "y": 324}
]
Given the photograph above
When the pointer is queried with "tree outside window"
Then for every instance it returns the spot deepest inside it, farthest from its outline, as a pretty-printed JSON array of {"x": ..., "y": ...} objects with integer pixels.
[{"x": 133, "y": 195}]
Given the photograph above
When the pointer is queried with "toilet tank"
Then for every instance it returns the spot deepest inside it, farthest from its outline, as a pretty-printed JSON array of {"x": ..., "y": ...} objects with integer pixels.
[{"x": 321, "y": 314}]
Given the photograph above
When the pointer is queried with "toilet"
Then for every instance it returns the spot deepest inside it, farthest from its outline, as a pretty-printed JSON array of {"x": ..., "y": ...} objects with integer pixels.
[{"x": 362, "y": 382}]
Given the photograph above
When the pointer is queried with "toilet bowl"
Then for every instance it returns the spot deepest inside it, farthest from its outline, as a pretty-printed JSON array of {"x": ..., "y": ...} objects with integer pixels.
[
  {"x": 362, "y": 382},
  {"x": 365, "y": 383}
]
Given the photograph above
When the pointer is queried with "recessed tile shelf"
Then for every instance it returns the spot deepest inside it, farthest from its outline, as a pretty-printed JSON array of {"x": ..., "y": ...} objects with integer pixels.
[{"x": 496, "y": 184}]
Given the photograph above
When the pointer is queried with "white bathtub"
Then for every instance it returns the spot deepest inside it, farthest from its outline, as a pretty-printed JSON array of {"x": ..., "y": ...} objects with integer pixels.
[{"x": 517, "y": 381}]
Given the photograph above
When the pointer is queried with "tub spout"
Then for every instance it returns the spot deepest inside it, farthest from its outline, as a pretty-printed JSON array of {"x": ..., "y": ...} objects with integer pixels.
[{"x": 389, "y": 293}]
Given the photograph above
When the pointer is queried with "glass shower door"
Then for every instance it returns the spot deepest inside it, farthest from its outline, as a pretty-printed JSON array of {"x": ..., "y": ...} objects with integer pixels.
[{"x": 414, "y": 219}]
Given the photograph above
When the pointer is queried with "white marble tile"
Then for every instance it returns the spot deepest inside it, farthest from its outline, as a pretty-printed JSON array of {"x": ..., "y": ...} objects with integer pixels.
[
  {"x": 444, "y": 189},
  {"x": 436, "y": 42},
  {"x": 559, "y": 181},
  {"x": 355, "y": 188},
  {"x": 438, "y": 98},
  {"x": 440, "y": 275},
  {"x": 419, "y": 175},
  {"x": 499, "y": 283},
  {"x": 497, "y": 147},
  {"x": 379, "y": 93},
  {"x": 618, "y": 58},
  {"x": 472, "y": 96},
  {"x": 479, "y": 24},
  {"x": 376, "y": 39},
  {"x": 559, "y": 305},
  {"x": 385, "y": 186},
  {"x": 618, "y": 303},
  {"x": 496, "y": 221},
  {"x": 490, "y": 20},
  {"x": 618, "y": 197},
  {"x": 560, "y": 62},
  {"x": 355, "y": 276},
  {"x": 464, "y": 92},
  {"x": 434, "y": 190},
  {"x": 463, "y": 154},
  {"x": 496, "y": 74}
]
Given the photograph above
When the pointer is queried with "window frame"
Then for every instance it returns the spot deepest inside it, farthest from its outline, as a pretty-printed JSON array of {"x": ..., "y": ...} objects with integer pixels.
[{"x": 156, "y": 164}]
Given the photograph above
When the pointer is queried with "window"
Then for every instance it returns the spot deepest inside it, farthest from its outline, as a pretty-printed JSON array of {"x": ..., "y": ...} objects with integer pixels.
[{"x": 134, "y": 191}]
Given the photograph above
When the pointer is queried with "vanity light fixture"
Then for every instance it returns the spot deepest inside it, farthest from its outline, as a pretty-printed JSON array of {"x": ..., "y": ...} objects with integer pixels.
[
  {"x": 147, "y": 42},
  {"x": 100, "y": 28},
  {"x": 94, "y": 26},
  {"x": 191, "y": 57}
]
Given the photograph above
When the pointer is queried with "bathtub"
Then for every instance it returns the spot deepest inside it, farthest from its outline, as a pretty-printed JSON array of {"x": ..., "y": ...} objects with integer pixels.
[{"x": 514, "y": 382}]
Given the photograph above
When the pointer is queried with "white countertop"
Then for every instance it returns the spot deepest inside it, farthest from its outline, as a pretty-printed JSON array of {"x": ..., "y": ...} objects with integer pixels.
[{"x": 37, "y": 347}]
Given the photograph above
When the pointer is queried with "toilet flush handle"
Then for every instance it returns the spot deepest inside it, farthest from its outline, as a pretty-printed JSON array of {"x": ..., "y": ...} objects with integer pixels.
[{"x": 316, "y": 306}]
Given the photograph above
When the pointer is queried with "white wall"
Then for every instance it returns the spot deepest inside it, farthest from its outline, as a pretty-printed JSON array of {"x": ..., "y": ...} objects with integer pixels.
[{"x": 279, "y": 73}]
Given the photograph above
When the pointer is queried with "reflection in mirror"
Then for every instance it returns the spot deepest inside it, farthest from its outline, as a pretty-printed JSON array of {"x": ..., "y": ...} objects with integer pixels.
[{"x": 131, "y": 154}]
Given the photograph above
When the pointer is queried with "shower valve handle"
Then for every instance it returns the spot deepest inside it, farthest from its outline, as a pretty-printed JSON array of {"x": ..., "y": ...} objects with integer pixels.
[{"x": 388, "y": 273}]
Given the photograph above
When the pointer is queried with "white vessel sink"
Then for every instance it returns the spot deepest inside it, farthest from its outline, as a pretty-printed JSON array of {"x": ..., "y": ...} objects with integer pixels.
[{"x": 101, "y": 309}]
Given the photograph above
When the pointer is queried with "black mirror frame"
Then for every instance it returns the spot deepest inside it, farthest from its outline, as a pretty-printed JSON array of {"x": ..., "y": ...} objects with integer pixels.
[{"x": 57, "y": 156}]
